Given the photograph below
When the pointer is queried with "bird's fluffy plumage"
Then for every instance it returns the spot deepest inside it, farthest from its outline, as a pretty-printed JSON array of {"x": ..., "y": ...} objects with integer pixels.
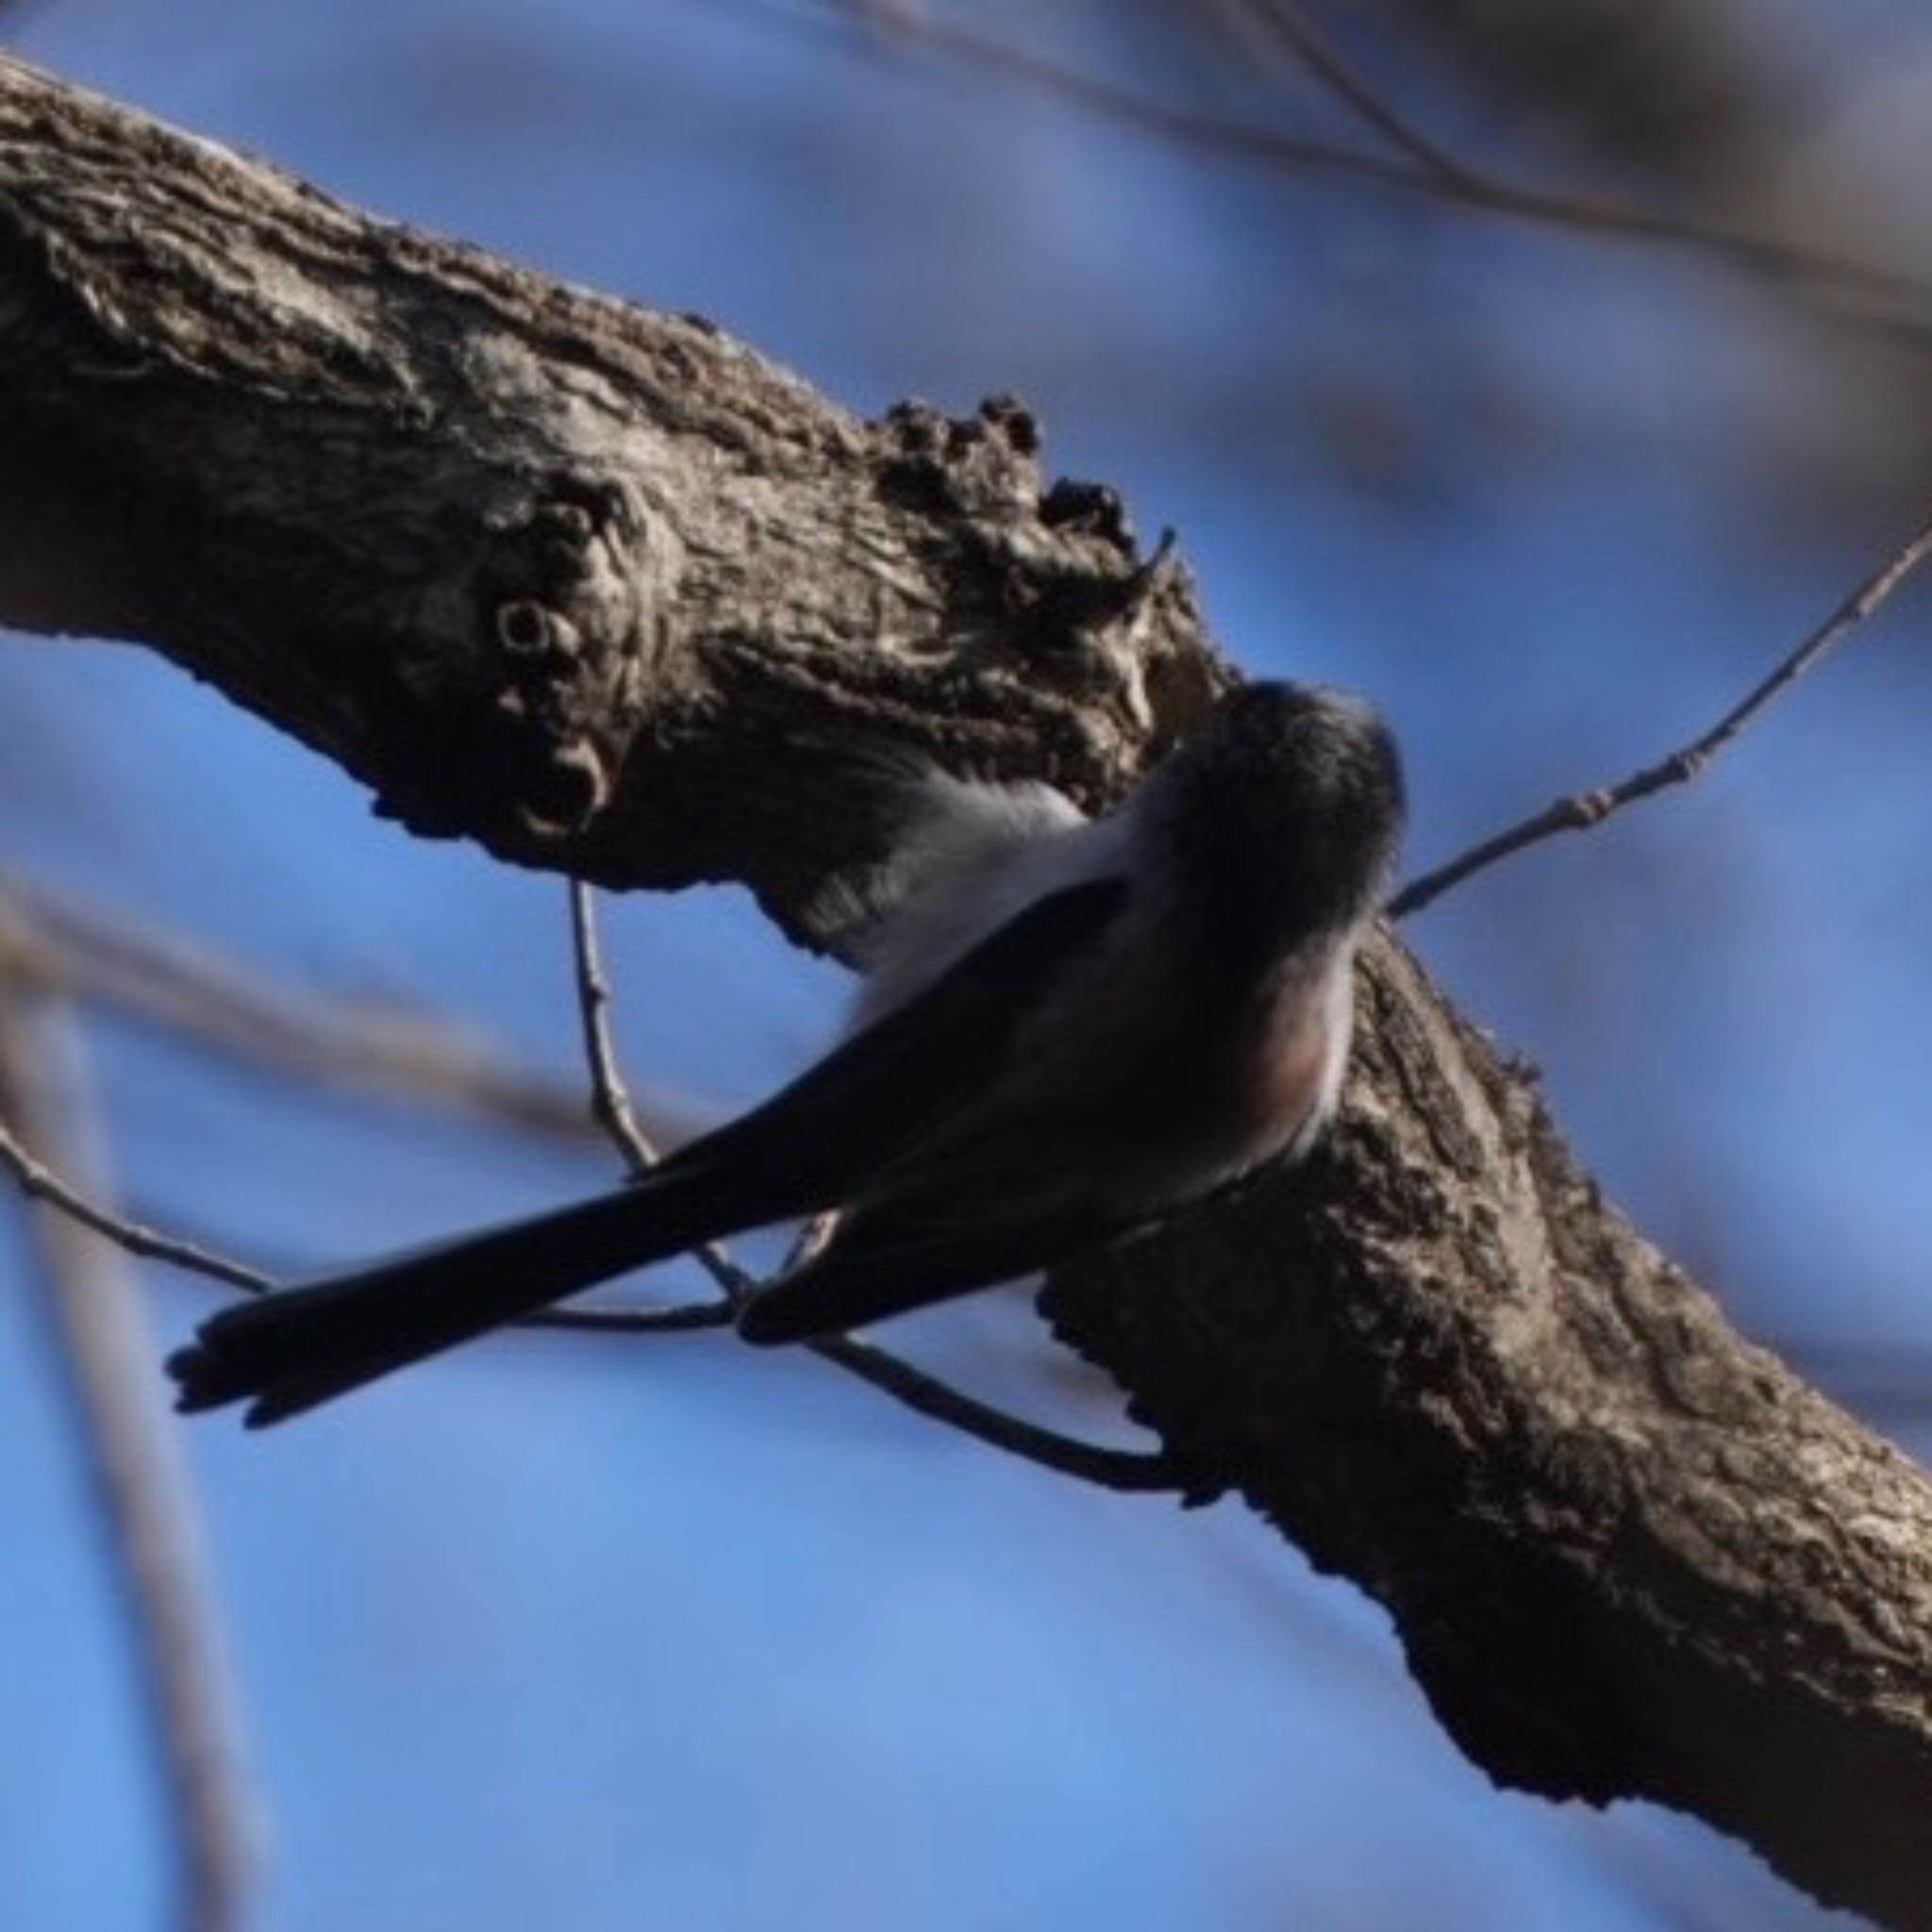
[{"x": 1067, "y": 1029}]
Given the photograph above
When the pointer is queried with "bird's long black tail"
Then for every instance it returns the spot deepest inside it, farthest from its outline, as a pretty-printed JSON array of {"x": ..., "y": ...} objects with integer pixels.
[
  {"x": 809, "y": 1146},
  {"x": 294, "y": 1349}
]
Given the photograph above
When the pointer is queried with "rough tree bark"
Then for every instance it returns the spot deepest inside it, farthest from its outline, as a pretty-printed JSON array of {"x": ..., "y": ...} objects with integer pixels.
[{"x": 610, "y": 594}]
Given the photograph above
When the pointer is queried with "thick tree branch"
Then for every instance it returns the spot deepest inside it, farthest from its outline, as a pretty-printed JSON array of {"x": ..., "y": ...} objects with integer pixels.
[
  {"x": 609, "y": 594},
  {"x": 509, "y": 552}
]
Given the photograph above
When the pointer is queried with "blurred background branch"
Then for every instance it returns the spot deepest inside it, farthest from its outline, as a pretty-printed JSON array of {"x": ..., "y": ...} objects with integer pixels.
[
  {"x": 107, "y": 1358},
  {"x": 1421, "y": 167},
  {"x": 235, "y": 1012}
]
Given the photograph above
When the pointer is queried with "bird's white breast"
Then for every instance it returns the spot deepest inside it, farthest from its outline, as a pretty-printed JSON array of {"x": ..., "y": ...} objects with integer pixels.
[{"x": 971, "y": 857}]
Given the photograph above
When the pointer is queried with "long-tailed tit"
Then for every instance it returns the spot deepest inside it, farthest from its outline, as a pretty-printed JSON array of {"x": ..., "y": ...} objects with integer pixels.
[{"x": 1068, "y": 1029}]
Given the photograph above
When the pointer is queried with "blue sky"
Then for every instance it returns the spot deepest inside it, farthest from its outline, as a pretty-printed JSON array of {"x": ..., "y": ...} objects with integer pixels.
[{"x": 661, "y": 1635}]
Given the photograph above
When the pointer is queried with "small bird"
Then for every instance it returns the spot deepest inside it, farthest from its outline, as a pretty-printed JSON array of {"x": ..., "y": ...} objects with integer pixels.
[{"x": 1068, "y": 1028}]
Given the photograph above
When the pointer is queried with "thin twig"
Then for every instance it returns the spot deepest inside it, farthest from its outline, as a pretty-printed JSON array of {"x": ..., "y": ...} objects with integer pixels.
[
  {"x": 1289, "y": 25},
  {"x": 610, "y": 1098},
  {"x": 1438, "y": 179},
  {"x": 40, "y": 1183},
  {"x": 924, "y": 1394},
  {"x": 144, "y": 1502},
  {"x": 621, "y": 1318},
  {"x": 1125, "y": 1470},
  {"x": 53, "y": 946},
  {"x": 1114, "y": 1469},
  {"x": 1580, "y": 811}
]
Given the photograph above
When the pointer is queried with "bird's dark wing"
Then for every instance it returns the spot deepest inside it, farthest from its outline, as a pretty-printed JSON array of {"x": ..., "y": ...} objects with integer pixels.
[
  {"x": 876, "y": 1267},
  {"x": 810, "y": 1145},
  {"x": 990, "y": 1192},
  {"x": 887, "y": 1085}
]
